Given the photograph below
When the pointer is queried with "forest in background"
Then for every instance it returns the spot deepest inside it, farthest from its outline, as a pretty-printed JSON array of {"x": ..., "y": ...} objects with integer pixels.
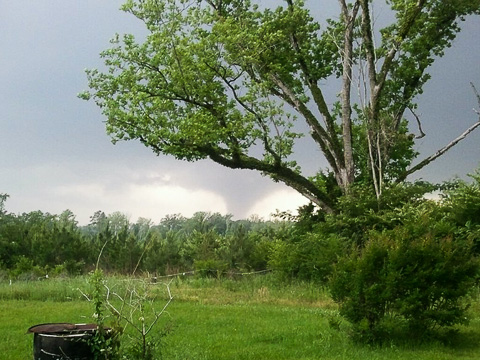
[
  {"x": 37, "y": 244},
  {"x": 306, "y": 246}
]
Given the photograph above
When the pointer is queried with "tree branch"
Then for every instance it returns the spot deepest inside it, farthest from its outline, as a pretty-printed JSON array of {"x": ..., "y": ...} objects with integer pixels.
[
  {"x": 368, "y": 41},
  {"x": 277, "y": 172},
  {"x": 347, "y": 177},
  {"x": 267, "y": 146},
  {"x": 319, "y": 134},
  {"x": 316, "y": 92},
  {"x": 477, "y": 94},
  {"x": 440, "y": 152},
  {"x": 447, "y": 147},
  {"x": 419, "y": 123},
  {"x": 387, "y": 63}
]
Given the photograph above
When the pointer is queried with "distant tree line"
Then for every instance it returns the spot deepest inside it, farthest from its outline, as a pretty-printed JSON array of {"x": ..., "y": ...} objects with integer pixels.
[{"x": 36, "y": 244}]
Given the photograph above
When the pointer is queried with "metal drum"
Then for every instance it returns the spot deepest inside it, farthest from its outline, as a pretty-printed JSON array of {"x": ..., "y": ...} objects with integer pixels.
[{"x": 62, "y": 341}]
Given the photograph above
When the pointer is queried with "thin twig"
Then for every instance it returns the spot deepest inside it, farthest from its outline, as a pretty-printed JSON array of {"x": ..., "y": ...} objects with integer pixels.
[
  {"x": 100, "y": 254},
  {"x": 422, "y": 134}
]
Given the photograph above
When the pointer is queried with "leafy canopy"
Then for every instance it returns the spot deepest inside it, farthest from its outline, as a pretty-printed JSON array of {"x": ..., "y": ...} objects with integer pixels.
[{"x": 234, "y": 80}]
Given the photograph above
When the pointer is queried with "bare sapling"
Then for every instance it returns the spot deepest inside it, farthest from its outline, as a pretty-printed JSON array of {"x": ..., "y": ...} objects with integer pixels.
[{"x": 137, "y": 309}]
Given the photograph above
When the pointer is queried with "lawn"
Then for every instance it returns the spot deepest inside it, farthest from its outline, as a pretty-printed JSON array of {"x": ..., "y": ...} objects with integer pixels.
[{"x": 209, "y": 319}]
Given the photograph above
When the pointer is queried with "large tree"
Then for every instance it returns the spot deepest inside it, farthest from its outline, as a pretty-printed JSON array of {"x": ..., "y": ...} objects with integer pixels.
[{"x": 230, "y": 80}]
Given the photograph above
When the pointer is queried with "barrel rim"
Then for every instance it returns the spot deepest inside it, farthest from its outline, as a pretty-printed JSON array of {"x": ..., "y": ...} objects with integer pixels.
[{"x": 59, "y": 328}]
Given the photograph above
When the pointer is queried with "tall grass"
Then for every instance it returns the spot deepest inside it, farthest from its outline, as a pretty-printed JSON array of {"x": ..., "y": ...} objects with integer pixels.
[
  {"x": 264, "y": 289},
  {"x": 258, "y": 289},
  {"x": 57, "y": 289}
]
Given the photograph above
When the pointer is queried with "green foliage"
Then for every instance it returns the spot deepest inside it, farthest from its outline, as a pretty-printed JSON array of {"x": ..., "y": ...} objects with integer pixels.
[
  {"x": 24, "y": 269},
  {"x": 163, "y": 253},
  {"x": 34, "y": 235},
  {"x": 360, "y": 211},
  {"x": 464, "y": 204},
  {"x": 210, "y": 268},
  {"x": 310, "y": 257},
  {"x": 137, "y": 351},
  {"x": 262, "y": 249},
  {"x": 415, "y": 276},
  {"x": 171, "y": 246},
  {"x": 402, "y": 264}
]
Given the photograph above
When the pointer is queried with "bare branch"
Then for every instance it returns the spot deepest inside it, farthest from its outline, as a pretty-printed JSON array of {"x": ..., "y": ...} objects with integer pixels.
[
  {"x": 440, "y": 152},
  {"x": 84, "y": 295},
  {"x": 100, "y": 254},
  {"x": 367, "y": 34},
  {"x": 136, "y": 303},
  {"x": 159, "y": 314},
  {"x": 117, "y": 312},
  {"x": 319, "y": 134},
  {"x": 476, "y": 94},
  {"x": 422, "y": 134},
  {"x": 372, "y": 166}
]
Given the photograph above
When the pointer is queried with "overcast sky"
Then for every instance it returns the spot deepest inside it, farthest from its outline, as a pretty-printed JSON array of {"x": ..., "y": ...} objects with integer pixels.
[{"x": 55, "y": 155}]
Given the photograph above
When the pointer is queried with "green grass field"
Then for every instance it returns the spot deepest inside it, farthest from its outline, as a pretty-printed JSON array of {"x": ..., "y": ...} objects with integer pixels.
[{"x": 255, "y": 318}]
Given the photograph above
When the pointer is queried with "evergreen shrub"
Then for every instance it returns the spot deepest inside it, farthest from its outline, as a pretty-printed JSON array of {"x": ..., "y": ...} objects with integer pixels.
[{"x": 413, "y": 278}]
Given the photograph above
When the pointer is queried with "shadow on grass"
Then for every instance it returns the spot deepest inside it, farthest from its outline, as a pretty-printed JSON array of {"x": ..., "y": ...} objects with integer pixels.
[{"x": 458, "y": 339}]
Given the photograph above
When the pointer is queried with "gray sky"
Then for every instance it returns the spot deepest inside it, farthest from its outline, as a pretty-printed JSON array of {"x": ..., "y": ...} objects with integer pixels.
[{"x": 55, "y": 155}]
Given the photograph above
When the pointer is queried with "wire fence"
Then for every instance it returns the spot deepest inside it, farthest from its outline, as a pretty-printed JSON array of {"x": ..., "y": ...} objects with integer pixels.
[
  {"x": 154, "y": 279},
  {"x": 158, "y": 278}
]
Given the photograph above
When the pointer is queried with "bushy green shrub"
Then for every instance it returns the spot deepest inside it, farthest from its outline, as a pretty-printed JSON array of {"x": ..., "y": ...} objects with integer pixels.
[
  {"x": 461, "y": 201},
  {"x": 26, "y": 270},
  {"x": 311, "y": 257},
  {"x": 412, "y": 277},
  {"x": 360, "y": 211},
  {"x": 260, "y": 252},
  {"x": 210, "y": 268}
]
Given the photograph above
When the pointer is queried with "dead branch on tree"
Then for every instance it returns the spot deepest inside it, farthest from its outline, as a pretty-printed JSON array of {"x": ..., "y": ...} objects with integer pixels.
[{"x": 447, "y": 147}]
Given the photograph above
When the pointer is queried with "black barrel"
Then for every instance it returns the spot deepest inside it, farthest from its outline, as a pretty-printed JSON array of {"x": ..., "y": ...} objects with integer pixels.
[{"x": 62, "y": 341}]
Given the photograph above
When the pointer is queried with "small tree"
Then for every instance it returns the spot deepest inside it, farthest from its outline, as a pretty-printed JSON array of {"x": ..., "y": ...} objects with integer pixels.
[{"x": 137, "y": 310}]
